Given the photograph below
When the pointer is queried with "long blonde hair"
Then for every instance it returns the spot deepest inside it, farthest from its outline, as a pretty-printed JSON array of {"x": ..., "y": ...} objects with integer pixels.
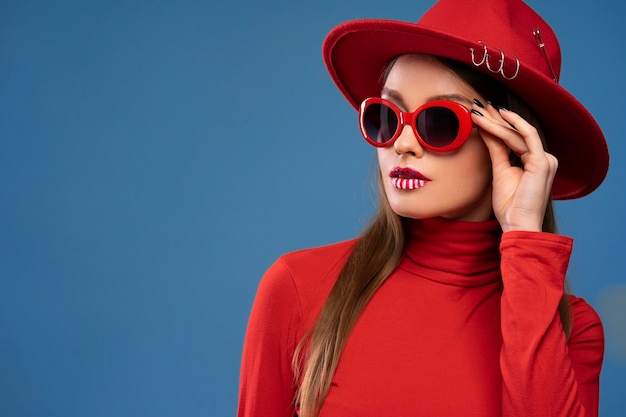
[{"x": 374, "y": 258}]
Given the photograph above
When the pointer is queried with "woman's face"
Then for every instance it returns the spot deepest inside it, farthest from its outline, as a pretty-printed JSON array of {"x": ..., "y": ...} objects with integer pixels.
[{"x": 457, "y": 184}]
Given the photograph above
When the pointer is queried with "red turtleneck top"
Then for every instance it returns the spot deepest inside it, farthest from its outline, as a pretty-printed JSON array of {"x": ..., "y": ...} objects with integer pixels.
[{"x": 467, "y": 324}]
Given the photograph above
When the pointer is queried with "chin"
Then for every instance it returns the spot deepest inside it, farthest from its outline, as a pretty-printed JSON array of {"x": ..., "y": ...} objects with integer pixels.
[
  {"x": 410, "y": 212},
  {"x": 469, "y": 212}
]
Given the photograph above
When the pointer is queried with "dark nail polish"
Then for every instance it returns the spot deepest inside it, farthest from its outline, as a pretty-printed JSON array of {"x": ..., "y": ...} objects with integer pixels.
[
  {"x": 478, "y": 103},
  {"x": 477, "y": 112},
  {"x": 502, "y": 108},
  {"x": 490, "y": 103}
]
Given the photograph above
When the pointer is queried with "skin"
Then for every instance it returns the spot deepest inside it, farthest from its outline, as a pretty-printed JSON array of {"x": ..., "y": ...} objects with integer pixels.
[{"x": 475, "y": 182}]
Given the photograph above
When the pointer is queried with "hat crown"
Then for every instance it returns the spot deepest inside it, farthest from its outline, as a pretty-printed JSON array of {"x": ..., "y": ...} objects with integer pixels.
[{"x": 505, "y": 28}]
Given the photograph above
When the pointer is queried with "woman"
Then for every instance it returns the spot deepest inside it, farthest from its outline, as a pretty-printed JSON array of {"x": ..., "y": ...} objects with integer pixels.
[{"x": 453, "y": 301}]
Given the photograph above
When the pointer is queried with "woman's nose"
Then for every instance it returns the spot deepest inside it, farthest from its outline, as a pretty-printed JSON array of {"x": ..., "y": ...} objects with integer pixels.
[{"x": 408, "y": 143}]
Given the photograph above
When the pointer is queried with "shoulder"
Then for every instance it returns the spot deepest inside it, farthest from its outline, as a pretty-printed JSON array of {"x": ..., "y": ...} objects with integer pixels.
[
  {"x": 586, "y": 342},
  {"x": 586, "y": 321},
  {"x": 317, "y": 259},
  {"x": 307, "y": 275},
  {"x": 309, "y": 268}
]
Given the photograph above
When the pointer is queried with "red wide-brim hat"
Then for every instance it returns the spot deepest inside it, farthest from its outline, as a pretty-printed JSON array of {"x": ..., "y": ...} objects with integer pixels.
[{"x": 504, "y": 39}]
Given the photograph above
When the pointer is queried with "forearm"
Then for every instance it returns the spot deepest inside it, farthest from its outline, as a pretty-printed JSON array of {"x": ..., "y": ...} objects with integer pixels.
[{"x": 539, "y": 375}]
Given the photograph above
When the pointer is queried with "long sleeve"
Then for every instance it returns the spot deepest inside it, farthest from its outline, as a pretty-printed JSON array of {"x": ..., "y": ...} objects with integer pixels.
[
  {"x": 266, "y": 382},
  {"x": 543, "y": 373}
]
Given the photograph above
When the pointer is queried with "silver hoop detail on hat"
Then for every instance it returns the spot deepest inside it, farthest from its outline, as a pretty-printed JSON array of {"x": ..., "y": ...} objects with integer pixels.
[
  {"x": 485, "y": 60},
  {"x": 485, "y": 53}
]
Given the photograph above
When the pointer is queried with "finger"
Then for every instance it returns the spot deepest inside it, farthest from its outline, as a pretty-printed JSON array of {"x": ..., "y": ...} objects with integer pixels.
[
  {"x": 498, "y": 127},
  {"x": 537, "y": 157},
  {"x": 528, "y": 131},
  {"x": 491, "y": 113},
  {"x": 498, "y": 151}
]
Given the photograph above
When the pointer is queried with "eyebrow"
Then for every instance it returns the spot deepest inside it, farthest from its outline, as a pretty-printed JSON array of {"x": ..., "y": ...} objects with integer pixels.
[{"x": 397, "y": 97}]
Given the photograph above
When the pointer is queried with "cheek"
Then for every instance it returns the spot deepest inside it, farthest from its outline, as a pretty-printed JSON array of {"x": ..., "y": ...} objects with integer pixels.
[
  {"x": 382, "y": 155},
  {"x": 386, "y": 161},
  {"x": 474, "y": 164}
]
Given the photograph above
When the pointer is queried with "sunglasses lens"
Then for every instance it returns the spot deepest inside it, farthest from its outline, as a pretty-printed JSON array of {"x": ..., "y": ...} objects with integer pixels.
[
  {"x": 438, "y": 126},
  {"x": 380, "y": 122}
]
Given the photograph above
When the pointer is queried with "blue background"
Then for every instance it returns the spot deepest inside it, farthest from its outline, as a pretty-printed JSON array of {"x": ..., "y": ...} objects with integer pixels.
[{"x": 157, "y": 156}]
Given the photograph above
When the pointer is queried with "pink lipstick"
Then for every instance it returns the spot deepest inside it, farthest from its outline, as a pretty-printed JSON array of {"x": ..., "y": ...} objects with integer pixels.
[{"x": 407, "y": 178}]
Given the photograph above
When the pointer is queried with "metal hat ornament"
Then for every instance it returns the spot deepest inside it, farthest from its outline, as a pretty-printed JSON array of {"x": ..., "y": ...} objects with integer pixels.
[{"x": 504, "y": 39}]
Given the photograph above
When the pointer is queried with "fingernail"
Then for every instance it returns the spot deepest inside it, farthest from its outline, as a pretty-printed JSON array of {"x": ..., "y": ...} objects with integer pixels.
[
  {"x": 490, "y": 103},
  {"x": 479, "y": 104},
  {"x": 502, "y": 108},
  {"x": 476, "y": 112}
]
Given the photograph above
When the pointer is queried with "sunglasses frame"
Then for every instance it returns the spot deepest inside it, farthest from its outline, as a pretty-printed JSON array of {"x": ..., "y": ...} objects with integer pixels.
[{"x": 462, "y": 113}]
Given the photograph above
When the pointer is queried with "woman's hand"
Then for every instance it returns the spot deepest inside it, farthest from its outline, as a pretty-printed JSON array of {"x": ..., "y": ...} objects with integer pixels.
[{"x": 520, "y": 194}]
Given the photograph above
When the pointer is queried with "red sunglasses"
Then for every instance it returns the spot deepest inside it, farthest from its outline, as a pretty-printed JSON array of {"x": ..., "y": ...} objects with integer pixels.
[{"x": 440, "y": 126}]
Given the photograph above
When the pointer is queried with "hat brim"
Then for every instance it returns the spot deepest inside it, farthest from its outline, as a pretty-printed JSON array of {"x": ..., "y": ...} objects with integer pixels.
[{"x": 356, "y": 53}]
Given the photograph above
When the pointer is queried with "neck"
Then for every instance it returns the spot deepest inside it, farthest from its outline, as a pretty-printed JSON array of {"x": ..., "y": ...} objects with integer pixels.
[{"x": 460, "y": 249}]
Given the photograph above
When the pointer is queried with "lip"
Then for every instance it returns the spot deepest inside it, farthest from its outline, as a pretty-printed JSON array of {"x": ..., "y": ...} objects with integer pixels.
[
  {"x": 407, "y": 173},
  {"x": 407, "y": 178}
]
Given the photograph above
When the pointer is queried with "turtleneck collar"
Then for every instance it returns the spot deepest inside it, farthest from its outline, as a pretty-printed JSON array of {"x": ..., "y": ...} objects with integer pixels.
[{"x": 453, "y": 252}]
